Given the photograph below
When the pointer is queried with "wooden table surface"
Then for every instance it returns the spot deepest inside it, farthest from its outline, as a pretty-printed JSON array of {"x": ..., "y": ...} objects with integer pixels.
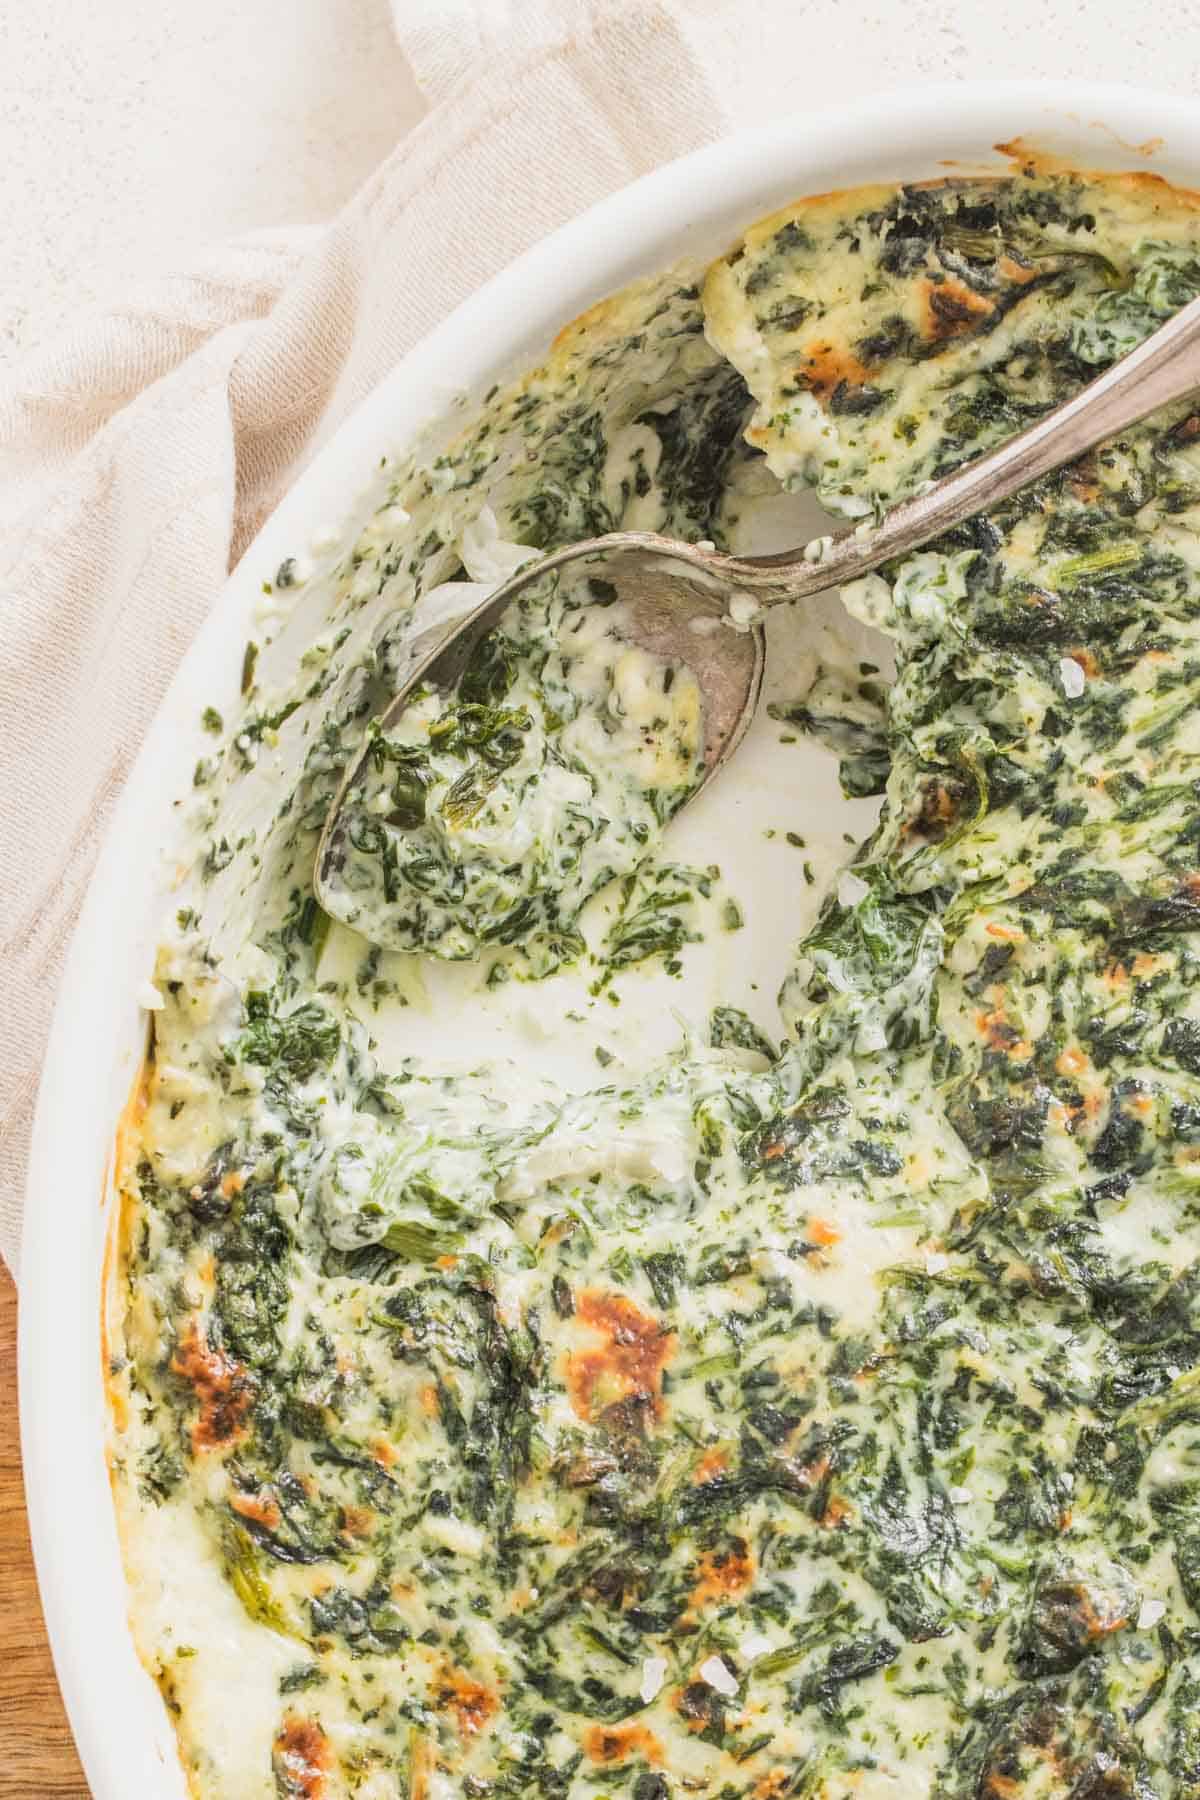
[{"x": 39, "y": 1761}]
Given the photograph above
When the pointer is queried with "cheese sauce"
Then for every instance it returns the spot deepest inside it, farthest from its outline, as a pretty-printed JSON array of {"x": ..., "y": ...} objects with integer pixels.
[
  {"x": 491, "y": 814},
  {"x": 811, "y": 1407}
]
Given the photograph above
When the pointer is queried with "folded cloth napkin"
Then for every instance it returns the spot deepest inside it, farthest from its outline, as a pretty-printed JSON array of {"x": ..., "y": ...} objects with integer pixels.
[{"x": 140, "y": 452}]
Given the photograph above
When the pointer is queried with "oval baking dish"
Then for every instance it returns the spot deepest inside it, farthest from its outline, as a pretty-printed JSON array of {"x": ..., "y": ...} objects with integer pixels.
[{"x": 692, "y": 207}]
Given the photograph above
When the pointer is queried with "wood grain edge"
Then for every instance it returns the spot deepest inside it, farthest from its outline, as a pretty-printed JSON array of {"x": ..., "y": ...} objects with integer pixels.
[{"x": 39, "y": 1761}]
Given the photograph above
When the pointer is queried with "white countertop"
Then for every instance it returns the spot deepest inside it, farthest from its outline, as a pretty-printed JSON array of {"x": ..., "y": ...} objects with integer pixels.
[{"x": 132, "y": 131}]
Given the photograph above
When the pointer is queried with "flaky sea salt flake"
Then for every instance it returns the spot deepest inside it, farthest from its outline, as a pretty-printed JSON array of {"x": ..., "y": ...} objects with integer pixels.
[
  {"x": 654, "y": 1673},
  {"x": 1072, "y": 676},
  {"x": 715, "y": 1671}
]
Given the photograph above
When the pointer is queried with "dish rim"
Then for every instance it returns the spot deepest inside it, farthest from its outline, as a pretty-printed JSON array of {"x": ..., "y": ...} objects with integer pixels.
[{"x": 121, "y": 1729}]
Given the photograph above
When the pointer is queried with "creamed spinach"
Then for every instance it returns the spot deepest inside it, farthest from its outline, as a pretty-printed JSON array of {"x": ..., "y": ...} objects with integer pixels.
[{"x": 818, "y": 1413}]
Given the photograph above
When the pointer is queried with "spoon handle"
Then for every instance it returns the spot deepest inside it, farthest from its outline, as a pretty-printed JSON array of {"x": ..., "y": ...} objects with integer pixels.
[{"x": 1163, "y": 368}]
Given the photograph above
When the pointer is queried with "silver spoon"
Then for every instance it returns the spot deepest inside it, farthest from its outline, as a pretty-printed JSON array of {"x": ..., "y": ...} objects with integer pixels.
[{"x": 677, "y": 594}]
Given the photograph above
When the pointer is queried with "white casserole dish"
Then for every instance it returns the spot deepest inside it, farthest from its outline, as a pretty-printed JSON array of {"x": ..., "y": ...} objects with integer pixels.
[{"x": 694, "y": 206}]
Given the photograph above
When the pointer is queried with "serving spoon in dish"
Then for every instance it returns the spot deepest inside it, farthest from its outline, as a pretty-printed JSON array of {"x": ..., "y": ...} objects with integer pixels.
[{"x": 679, "y": 599}]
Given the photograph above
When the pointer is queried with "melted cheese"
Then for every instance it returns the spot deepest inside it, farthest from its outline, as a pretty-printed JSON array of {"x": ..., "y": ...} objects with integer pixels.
[{"x": 511, "y": 1400}]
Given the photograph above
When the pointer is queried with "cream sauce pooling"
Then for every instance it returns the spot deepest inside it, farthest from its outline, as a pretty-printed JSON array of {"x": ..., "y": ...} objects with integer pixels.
[{"x": 491, "y": 813}]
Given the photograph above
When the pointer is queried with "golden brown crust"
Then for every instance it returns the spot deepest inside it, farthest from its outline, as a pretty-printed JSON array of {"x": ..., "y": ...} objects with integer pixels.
[
  {"x": 609, "y": 318},
  {"x": 119, "y": 1196},
  {"x": 628, "y": 1365}
]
